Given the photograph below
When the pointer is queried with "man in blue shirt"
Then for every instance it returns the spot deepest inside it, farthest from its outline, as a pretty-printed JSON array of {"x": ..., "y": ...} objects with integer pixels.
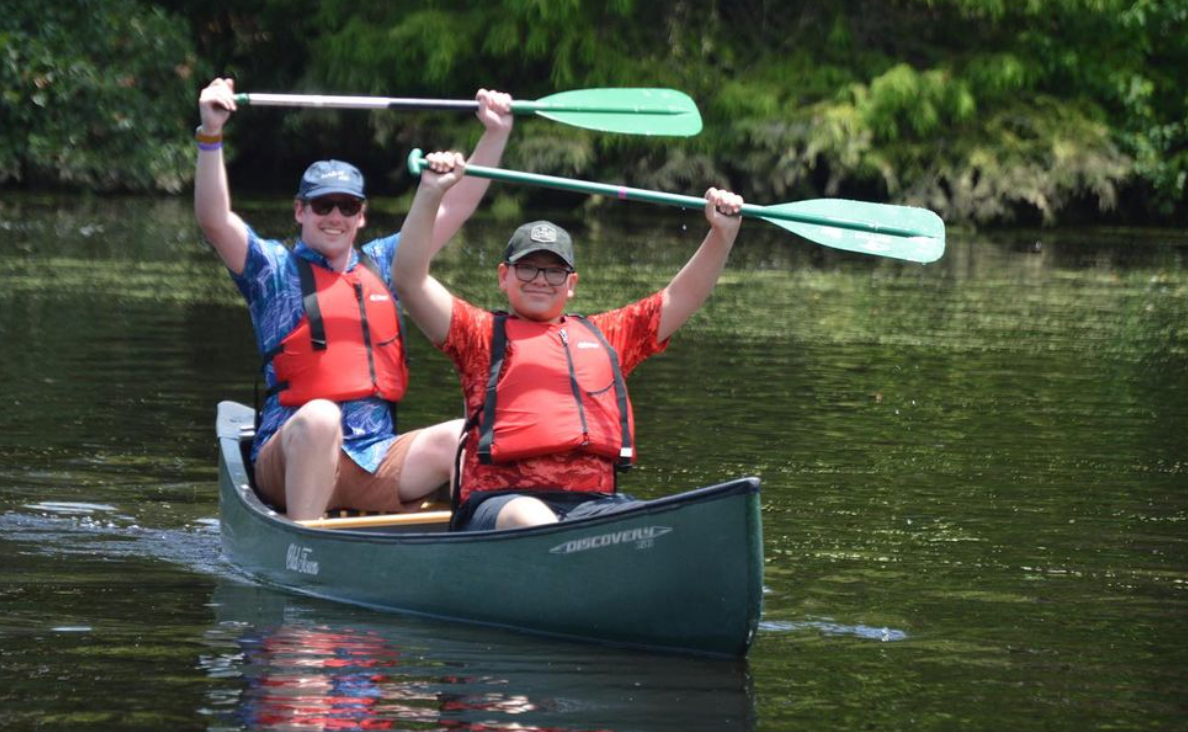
[{"x": 324, "y": 452}]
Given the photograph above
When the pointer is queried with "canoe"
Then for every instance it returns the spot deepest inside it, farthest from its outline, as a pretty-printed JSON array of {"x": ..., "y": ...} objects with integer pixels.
[{"x": 682, "y": 573}]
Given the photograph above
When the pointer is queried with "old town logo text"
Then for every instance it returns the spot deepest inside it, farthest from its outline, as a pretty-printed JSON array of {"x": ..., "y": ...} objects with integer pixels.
[
  {"x": 642, "y": 538},
  {"x": 300, "y": 559}
]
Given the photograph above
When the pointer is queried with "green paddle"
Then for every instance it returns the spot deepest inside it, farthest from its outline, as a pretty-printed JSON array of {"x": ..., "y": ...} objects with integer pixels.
[
  {"x": 898, "y": 232},
  {"x": 629, "y": 111}
]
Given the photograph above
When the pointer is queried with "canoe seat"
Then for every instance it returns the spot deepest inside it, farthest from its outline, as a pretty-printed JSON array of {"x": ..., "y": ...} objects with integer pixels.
[
  {"x": 429, "y": 504},
  {"x": 417, "y": 521}
]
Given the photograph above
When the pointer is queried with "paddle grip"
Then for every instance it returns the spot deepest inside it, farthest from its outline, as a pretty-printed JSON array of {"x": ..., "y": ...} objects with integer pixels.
[{"x": 416, "y": 161}]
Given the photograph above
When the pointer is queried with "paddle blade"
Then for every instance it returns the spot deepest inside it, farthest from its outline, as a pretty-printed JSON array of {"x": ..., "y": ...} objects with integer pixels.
[
  {"x": 628, "y": 111},
  {"x": 898, "y": 232}
]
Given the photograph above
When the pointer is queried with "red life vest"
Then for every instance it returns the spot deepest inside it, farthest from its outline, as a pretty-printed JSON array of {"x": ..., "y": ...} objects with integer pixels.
[
  {"x": 348, "y": 345},
  {"x": 562, "y": 390}
]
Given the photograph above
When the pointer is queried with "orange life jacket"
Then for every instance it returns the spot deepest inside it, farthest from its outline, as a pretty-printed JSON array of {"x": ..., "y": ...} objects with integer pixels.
[
  {"x": 554, "y": 387},
  {"x": 348, "y": 345}
]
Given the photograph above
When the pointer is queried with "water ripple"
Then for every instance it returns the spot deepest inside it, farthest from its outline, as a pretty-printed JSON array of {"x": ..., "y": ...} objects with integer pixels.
[{"x": 884, "y": 635}]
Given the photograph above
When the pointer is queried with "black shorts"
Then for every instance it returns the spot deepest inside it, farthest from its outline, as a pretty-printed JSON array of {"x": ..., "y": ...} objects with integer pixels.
[{"x": 482, "y": 507}]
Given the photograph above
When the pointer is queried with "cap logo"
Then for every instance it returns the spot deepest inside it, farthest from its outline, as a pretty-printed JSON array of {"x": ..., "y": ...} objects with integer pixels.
[
  {"x": 543, "y": 234},
  {"x": 336, "y": 175}
]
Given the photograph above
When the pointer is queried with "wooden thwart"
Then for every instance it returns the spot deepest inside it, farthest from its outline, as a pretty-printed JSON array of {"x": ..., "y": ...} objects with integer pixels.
[{"x": 387, "y": 519}]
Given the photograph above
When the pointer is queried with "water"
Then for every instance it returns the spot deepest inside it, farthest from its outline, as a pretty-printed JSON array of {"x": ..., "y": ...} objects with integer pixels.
[{"x": 974, "y": 490}]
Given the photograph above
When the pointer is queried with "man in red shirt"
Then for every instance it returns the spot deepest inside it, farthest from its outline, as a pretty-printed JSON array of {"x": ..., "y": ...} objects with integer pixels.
[{"x": 550, "y": 420}]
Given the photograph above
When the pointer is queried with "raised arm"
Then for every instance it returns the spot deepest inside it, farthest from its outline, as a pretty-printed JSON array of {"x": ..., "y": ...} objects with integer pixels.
[
  {"x": 694, "y": 283},
  {"x": 462, "y": 199},
  {"x": 212, "y": 196},
  {"x": 426, "y": 300}
]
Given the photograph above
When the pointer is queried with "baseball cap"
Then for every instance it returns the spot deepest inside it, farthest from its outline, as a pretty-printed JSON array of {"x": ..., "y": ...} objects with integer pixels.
[
  {"x": 331, "y": 176},
  {"x": 539, "y": 236}
]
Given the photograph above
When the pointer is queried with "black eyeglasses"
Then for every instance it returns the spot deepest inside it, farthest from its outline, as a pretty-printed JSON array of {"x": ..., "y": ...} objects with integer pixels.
[
  {"x": 552, "y": 275},
  {"x": 323, "y": 206}
]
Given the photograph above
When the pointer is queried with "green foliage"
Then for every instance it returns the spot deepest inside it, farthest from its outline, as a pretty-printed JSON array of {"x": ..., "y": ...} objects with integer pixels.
[
  {"x": 95, "y": 95},
  {"x": 985, "y": 110},
  {"x": 980, "y": 109}
]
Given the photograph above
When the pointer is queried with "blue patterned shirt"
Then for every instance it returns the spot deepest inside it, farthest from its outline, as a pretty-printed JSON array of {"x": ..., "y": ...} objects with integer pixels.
[{"x": 272, "y": 288}]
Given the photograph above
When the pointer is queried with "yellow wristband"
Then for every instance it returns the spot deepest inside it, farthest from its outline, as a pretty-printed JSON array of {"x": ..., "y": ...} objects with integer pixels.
[{"x": 204, "y": 138}]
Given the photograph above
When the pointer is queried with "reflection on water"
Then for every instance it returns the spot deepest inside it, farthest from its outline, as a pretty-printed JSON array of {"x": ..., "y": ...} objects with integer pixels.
[{"x": 300, "y": 664}]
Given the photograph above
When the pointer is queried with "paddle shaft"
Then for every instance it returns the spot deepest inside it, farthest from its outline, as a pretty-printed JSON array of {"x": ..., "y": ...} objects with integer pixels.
[
  {"x": 669, "y": 199},
  {"x": 324, "y": 101}
]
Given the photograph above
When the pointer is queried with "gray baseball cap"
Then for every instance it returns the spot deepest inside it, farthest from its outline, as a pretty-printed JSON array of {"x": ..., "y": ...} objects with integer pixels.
[
  {"x": 539, "y": 236},
  {"x": 331, "y": 176}
]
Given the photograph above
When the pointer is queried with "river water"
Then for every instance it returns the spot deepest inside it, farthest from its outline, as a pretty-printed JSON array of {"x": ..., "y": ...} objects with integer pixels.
[{"x": 974, "y": 473}]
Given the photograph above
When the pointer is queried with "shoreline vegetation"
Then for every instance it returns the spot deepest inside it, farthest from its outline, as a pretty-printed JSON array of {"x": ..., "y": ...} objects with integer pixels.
[{"x": 1065, "y": 112}]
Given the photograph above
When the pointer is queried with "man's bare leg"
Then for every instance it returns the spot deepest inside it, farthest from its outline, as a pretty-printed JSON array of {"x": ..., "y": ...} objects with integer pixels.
[
  {"x": 524, "y": 511},
  {"x": 430, "y": 460},
  {"x": 312, "y": 445}
]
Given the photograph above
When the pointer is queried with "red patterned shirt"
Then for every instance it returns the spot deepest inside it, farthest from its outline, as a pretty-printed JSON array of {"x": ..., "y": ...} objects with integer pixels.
[{"x": 631, "y": 330}]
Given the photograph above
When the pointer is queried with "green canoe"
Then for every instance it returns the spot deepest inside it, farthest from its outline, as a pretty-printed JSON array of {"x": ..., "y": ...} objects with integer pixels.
[{"x": 682, "y": 573}]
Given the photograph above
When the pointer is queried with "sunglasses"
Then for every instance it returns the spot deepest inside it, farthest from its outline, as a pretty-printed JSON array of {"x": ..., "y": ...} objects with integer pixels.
[
  {"x": 323, "y": 206},
  {"x": 553, "y": 275}
]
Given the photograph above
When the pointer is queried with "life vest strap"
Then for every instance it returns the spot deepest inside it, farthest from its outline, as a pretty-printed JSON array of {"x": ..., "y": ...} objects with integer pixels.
[
  {"x": 498, "y": 353},
  {"x": 574, "y": 387},
  {"x": 456, "y": 484},
  {"x": 373, "y": 266},
  {"x": 627, "y": 451},
  {"x": 309, "y": 300}
]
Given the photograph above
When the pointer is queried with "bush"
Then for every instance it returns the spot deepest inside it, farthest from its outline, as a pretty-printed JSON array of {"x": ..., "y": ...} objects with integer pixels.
[{"x": 96, "y": 95}]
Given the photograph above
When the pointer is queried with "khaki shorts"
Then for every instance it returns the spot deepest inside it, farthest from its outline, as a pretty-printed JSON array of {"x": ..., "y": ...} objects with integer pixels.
[{"x": 354, "y": 487}]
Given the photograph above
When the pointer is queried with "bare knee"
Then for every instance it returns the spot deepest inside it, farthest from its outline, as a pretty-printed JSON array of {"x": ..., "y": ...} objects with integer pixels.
[
  {"x": 430, "y": 459},
  {"x": 441, "y": 441},
  {"x": 316, "y": 424},
  {"x": 524, "y": 511}
]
